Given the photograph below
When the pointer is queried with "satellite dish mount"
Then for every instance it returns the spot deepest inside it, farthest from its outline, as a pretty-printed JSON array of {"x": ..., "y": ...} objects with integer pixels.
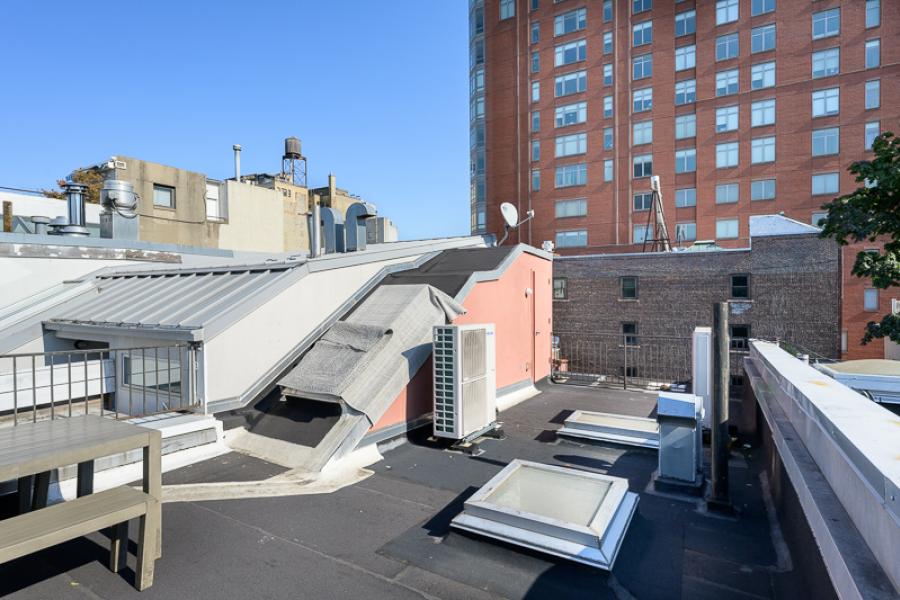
[{"x": 511, "y": 217}]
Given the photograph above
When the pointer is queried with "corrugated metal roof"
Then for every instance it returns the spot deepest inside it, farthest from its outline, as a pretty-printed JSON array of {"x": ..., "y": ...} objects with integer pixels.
[{"x": 178, "y": 299}]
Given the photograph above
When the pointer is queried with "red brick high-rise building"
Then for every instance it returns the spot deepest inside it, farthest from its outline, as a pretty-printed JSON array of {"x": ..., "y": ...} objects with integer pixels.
[{"x": 741, "y": 107}]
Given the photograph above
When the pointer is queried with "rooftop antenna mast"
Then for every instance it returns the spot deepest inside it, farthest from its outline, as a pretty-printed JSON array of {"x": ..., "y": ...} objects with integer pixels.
[{"x": 658, "y": 241}]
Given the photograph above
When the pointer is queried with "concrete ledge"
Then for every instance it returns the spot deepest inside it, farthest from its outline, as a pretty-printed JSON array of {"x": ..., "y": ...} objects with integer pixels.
[{"x": 815, "y": 425}]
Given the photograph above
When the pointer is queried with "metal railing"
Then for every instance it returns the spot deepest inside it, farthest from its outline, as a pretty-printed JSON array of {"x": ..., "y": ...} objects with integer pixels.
[
  {"x": 630, "y": 360},
  {"x": 118, "y": 383}
]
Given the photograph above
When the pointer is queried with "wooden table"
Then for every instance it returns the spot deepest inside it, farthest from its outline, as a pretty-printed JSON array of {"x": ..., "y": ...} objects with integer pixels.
[{"x": 30, "y": 451}]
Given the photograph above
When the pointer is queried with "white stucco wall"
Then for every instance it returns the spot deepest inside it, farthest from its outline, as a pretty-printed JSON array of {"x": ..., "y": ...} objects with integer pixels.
[
  {"x": 241, "y": 354},
  {"x": 255, "y": 219}
]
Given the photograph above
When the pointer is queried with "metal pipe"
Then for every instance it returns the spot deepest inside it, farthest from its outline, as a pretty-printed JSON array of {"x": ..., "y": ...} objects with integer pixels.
[
  {"x": 237, "y": 161},
  {"x": 75, "y": 193},
  {"x": 719, "y": 495}
]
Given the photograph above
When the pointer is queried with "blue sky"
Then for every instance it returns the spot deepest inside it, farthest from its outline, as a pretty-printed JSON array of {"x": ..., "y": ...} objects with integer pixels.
[{"x": 376, "y": 91}]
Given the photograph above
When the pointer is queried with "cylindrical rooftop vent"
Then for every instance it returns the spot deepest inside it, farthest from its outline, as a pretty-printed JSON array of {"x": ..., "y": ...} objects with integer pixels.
[{"x": 75, "y": 197}]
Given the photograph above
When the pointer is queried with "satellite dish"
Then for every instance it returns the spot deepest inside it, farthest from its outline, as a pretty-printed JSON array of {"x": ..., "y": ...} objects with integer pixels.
[{"x": 510, "y": 214}]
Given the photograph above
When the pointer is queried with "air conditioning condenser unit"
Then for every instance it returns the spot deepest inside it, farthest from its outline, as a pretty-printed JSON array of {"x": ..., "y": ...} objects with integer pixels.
[{"x": 465, "y": 380}]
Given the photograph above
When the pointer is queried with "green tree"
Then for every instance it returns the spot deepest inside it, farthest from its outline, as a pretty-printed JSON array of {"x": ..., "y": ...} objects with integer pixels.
[
  {"x": 92, "y": 178},
  {"x": 872, "y": 213}
]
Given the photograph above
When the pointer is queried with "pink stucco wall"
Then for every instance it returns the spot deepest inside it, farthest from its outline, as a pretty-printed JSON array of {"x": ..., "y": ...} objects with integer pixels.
[{"x": 520, "y": 318}]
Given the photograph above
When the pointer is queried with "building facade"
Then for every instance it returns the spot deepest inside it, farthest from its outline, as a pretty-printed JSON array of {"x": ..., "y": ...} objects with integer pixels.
[{"x": 741, "y": 107}]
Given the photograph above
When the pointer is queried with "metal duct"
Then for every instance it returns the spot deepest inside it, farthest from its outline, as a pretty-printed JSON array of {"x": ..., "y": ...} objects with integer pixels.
[
  {"x": 75, "y": 197},
  {"x": 332, "y": 230},
  {"x": 355, "y": 227}
]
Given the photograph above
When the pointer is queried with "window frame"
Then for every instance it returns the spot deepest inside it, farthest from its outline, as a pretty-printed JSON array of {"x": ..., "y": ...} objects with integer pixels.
[
  {"x": 745, "y": 294},
  {"x": 165, "y": 188},
  {"x": 564, "y": 288},
  {"x": 633, "y": 287}
]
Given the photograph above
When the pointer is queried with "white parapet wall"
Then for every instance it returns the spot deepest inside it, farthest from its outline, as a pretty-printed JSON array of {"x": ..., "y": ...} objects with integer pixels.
[{"x": 855, "y": 445}]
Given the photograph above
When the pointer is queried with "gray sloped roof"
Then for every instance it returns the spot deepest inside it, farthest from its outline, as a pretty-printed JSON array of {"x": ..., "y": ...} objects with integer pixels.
[{"x": 170, "y": 299}]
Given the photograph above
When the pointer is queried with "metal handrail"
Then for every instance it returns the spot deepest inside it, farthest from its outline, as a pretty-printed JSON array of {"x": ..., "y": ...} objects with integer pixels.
[{"x": 87, "y": 385}]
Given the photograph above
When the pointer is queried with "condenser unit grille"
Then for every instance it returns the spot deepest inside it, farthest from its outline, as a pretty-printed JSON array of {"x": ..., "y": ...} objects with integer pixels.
[
  {"x": 473, "y": 364},
  {"x": 444, "y": 388}
]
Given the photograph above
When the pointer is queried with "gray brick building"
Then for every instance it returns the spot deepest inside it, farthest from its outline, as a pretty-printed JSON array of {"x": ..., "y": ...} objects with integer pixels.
[{"x": 785, "y": 285}]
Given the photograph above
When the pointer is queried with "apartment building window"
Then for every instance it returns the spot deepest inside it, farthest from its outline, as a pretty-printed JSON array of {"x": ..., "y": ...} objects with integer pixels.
[
  {"x": 477, "y": 107},
  {"x": 685, "y": 126},
  {"x": 477, "y": 57},
  {"x": 761, "y": 7},
  {"x": 873, "y": 13},
  {"x": 873, "y": 94},
  {"x": 535, "y": 62},
  {"x": 571, "y": 208},
  {"x": 762, "y": 189},
  {"x": 477, "y": 83},
  {"x": 628, "y": 287},
  {"x": 873, "y": 54},
  {"x": 727, "y": 193},
  {"x": 535, "y": 32},
  {"x": 642, "y": 66},
  {"x": 873, "y": 130},
  {"x": 685, "y": 197},
  {"x": 825, "y": 183},
  {"x": 629, "y": 334},
  {"x": 535, "y": 4},
  {"x": 762, "y": 113},
  {"x": 762, "y": 38},
  {"x": 571, "y": 83},
  {"x": 827, "y": 62},
  {"x": 607, "y": 43},
  {"x": 643, "y": 201},
  {"x": 639, "y": 6},
  {"x": 727, "y": 46},
  {"x": 608, "y": 170},
  {"x": 726, "y": 229},
  {"x": 571, "y": 239},
  {"x": 685, "y": 232},
  {"x": 826, "y": 23},
  {"x": 726, "y": 119},
  {"x": 163, "y": 196},
  {"x": 571, "y": 175},
  {"x": 826, "y": 102},
  {"x": 608, "y": 139},
  {"x": 607, "y": 74},
  {"x": 535, "y": 121},
  {"x": 762, "y": 150},
  {"x": 535, "y": 91},
  {"x": 642, "y": 33},
  {"x": 507, "y": 9},
  {"x": 818, "y": 219},
  {"x": 826, "y": 141},
  {"x": 685, "y": 23},
  {"x": 535, "y": 180},
  {"x": 762, "y": 76},
  {"x": 607, "y": 107},
  {"x": 740, "y": 336},
  {"x": 640, "y": 233},
  {"x": 726, "y": 155},
  {"x": 685, "y": 91},
  {"x": 686, "y": 160},
  {"x": 571, "y": 114},
  {"x": 642, "y": 166},
  {"x": 727, "y": 82},
  {"x": 570, "y": 145},
  {"x": 642, "y": 99},
  {"x": 560, "y": 291},
  {"x": 685, "y": 57},
  {"x": 870, "y": 299},
  {"x": 574, "y": 20},
  {"x": 567, "y": 54},
  {"x": 642, "y": 133},
  {"x": 740, "y": 285},
  {"x": 607, "y": 11},
  {"x": 726, "y": 11},
  {"x": 535, "y": 150}
]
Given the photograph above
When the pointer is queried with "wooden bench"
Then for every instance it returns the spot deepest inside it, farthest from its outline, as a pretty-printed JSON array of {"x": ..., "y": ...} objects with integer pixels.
[{"x": 34, "y": 531}]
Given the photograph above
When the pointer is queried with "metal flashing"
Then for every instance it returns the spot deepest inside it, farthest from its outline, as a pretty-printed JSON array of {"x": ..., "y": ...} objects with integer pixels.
[{"x": 608, "y": 427}]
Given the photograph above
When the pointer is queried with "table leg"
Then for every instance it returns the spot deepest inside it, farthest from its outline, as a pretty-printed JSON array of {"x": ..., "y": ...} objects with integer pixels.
[
  {"x": 85, "y": 478},
  {"x": 41, "y": 490},
  {"x": 24, "y": 493},
  {"x": 153, "y": 484}
]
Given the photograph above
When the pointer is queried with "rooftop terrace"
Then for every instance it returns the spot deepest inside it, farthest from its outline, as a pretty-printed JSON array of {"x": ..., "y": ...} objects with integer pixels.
[{"x": 388, "y": 536}]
